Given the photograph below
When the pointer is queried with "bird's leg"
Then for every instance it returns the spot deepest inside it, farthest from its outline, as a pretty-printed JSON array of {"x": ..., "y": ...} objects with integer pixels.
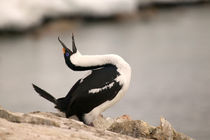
[{"x": 91, "y": 124}]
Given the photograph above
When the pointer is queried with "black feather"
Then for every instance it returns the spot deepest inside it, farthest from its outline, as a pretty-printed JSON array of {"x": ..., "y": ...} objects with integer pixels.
[
  {"x": 80, "y": 101},
  {"x": 44, "y": 94}
]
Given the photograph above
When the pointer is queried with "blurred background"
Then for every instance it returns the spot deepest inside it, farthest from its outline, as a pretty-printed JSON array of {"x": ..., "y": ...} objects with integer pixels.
[{"x": 166, "y": 42}]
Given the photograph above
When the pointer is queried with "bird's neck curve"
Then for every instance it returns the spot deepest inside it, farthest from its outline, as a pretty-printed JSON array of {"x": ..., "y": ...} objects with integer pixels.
[{"x": 79, "y": 62}]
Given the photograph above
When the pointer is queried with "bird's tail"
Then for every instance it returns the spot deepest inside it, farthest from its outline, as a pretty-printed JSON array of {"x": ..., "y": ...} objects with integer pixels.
[
  {"x": 45, "y": 94},
  {"x": 60, "y": 104}
]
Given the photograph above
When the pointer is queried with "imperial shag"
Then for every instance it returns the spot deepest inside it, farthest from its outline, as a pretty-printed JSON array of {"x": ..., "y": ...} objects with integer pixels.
[{"x": 107, "y": 81}]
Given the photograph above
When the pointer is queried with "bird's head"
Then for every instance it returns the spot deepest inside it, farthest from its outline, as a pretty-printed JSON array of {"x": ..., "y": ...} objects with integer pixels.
[{"x": 66, "y": 51}]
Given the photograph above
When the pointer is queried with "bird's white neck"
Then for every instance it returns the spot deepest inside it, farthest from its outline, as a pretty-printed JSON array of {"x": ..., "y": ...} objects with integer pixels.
[
  {"x": 89, "y": 62},
  {"x": 95, "y": 60}
]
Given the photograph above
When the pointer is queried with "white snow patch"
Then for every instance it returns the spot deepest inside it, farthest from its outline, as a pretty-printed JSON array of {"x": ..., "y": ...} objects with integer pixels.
[{"x": 21, "y": 14}]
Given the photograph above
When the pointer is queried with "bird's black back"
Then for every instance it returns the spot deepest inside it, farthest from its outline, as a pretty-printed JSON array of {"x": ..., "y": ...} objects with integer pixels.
[{"x": 79, "y": 99}]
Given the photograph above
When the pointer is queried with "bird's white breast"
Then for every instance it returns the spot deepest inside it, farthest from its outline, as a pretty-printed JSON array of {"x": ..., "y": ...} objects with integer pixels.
[{"x": 124, "y": 79}]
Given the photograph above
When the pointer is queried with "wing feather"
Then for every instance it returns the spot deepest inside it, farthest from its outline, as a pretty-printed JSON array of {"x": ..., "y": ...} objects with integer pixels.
[{"x": 103, "y": 79}]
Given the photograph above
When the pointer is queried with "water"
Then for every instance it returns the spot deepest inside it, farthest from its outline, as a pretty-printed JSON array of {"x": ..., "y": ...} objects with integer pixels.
[{"x": 169, "y": 54}]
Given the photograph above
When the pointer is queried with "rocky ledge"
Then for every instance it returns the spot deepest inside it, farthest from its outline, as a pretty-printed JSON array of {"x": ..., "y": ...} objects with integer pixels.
[{"x": 53, "y": 126}]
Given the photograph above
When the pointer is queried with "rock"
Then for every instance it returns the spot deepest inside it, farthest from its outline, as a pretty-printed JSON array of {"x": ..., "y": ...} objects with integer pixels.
[
  {"x": 166, "y": 131},
  {"x": 138, "y": 129},
  {"x": 25, "y": 118},
  {"x": 44, "y": 125},
  {"x": 132, "y": 128}
]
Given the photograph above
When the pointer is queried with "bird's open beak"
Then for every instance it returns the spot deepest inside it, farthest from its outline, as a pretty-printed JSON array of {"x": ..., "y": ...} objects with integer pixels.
[
  {"x": 64, "y": 47},
  {"x": 74, "y": 49}
]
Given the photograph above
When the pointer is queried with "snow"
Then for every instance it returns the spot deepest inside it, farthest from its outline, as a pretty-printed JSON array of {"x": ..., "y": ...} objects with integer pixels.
[{"x": 22, "y": 14}]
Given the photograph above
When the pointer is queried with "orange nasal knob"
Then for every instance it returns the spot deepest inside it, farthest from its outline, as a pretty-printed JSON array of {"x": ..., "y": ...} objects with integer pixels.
[{"x": 64, "y": 50}]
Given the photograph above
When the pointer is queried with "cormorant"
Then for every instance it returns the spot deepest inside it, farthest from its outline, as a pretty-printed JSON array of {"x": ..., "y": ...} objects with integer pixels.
[{"x": 105, "y": 84}]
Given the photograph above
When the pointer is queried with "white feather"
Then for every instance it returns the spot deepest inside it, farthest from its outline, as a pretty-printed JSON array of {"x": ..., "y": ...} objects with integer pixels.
[{"x": 96, "y": 90}]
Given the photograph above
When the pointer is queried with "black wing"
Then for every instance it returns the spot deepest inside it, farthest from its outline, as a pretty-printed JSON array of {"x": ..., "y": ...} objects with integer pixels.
[{"x": 83, "y": 101}]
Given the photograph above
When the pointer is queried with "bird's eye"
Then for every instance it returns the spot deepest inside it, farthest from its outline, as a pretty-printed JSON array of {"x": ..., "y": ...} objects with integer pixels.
[{"x": 67, "y": 54}]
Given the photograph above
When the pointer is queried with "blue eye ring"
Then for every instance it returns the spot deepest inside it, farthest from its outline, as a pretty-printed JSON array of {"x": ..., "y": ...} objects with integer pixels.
[{"x": 67, "y": 54}]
